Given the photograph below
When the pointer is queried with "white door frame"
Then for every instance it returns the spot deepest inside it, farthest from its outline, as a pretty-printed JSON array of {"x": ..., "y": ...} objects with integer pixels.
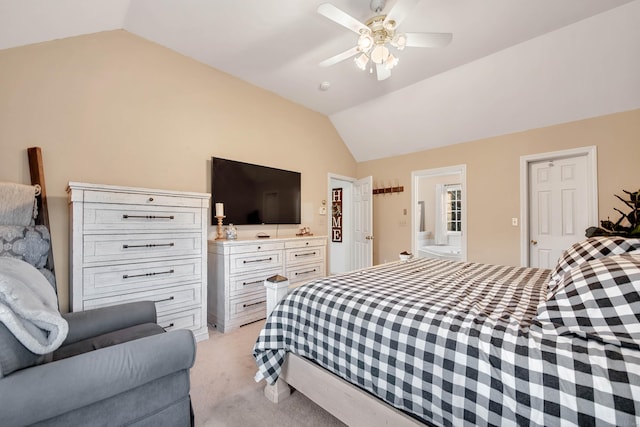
[
  {"x": 592, "y": 189},
  {"x": 447, "y": 170}
]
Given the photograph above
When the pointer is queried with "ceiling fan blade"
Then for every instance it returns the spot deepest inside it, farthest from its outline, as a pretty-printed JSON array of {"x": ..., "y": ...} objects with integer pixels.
[
  {"x": 339, "y": 57},
  {"x": 339, "y": 17},
  {"x": 428, "y": 39},
  {"x": 382, "y": 72},
  {"x": 400, "y": 11}
]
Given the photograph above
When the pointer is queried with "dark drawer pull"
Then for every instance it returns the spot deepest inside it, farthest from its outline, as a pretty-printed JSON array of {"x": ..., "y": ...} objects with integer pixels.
[
  {"x": 253, "y": 303},
  {"x": 170, "y": 325},
  {"x": 124, "y": 216},
  {"x": 306, "y": 254},
  {"x": 129, "y": 276},
  {"x": 252, "y": 283},
  {"x": 257, "y": 260},
  {"x": 165, "y": 299},
  {"x": 306, "y": 272},
  {"x": 148, "y": 245}
]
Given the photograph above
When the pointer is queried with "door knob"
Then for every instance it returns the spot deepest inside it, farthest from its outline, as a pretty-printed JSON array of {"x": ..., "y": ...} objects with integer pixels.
[
  {"x": 369, "y": 237},
  {"x": 534, "y": 242}
]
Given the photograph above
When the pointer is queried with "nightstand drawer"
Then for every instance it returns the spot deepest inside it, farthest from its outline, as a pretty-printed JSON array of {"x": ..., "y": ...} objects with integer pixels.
[
  {"x": 135, "y": 247},
  {"x": 254, "y": 261},
  {"x": 140, "y": 218},
  {"x": 251, "y": 282},
  {"x": 126, "y": 278}
]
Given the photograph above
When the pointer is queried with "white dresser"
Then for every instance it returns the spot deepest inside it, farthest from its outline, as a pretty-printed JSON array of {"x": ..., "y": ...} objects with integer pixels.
[
  {"x": 238, "y": 268},
  {"x": 131, "y": 244}
]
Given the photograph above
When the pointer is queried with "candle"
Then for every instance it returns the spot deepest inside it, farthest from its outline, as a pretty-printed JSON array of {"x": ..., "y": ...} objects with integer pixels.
[{"x": 219, "y": 209}]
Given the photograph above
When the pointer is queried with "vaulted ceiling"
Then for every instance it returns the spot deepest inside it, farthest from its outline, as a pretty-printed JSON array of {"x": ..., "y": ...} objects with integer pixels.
[{"x": 512, "y": 65}]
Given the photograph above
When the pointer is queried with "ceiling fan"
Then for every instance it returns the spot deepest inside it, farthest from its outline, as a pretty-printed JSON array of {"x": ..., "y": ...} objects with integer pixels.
[{"x": 377, "y": 34}]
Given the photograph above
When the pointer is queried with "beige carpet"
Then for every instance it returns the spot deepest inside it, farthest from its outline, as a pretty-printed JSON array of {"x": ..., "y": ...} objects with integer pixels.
[{"x": 224, "y": 393}]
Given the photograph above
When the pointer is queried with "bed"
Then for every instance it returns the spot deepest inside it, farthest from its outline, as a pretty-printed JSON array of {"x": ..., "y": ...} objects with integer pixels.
[{"x": 451, "y": 343}]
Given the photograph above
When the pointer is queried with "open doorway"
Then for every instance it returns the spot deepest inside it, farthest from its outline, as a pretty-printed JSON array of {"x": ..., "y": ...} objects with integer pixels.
[
  {"x": 439, "y": 218},
  {"x": 350, "y": 224}
]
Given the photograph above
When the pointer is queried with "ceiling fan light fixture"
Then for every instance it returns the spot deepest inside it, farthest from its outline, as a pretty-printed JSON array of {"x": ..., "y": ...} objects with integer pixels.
[
  {"x": 390, "y": 62},
  {"x": 365, "y": 41},
  {"x": 377, "y": 34},
  {"x": 379, "y": 53},
  {"x": 399, "y": 41},
  {"x": 361, "y": 61},
  {"x": 389, "y": 25}
]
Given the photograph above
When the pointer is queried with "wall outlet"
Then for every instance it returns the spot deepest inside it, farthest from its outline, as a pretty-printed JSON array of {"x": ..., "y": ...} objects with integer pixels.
[
  {"x": 514, "y": 222},
  {"x": 322, "y": 210}
]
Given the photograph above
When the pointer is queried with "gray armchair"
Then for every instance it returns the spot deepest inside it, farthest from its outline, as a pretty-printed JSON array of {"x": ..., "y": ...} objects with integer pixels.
[{"x": 116, "y": 366}]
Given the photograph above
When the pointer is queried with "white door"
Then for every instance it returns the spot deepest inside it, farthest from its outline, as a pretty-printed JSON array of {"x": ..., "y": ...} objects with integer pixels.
[
  {"x": 559, "y": 210},
  {"x": 363, "y": 222}
]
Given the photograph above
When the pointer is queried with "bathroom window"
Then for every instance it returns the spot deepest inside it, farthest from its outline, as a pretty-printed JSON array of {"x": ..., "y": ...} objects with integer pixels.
[{"x": 453, "y": 204}]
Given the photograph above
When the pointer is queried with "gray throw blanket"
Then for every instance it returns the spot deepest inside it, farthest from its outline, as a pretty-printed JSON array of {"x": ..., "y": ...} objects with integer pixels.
[
  {"x": 29, "y": 308},
  {"x": 18, "y": 205}
]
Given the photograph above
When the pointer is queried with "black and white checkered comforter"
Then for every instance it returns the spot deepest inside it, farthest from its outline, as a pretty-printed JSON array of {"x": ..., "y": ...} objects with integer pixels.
[{"x": 453, "y": 344}]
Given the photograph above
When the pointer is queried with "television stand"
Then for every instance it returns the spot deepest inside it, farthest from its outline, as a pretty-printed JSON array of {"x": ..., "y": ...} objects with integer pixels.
[{"x": 237, "y": 270}]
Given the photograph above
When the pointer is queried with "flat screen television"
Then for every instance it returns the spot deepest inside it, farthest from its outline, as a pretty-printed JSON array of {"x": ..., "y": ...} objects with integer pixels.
[{"x": 254, "y": 194}]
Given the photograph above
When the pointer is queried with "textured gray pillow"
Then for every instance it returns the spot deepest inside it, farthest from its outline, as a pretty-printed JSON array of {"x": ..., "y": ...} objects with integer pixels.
[{"x": 29, "y": 243}]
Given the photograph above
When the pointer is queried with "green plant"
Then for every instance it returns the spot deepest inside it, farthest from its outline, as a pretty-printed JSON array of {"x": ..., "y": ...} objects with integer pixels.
[{"x": 627, "y": 225}]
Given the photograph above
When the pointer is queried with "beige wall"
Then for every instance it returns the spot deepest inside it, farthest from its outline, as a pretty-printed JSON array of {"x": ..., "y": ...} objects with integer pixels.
[
  {"x": 493, "y": 182},
  {"x": 114, "y": 108}
]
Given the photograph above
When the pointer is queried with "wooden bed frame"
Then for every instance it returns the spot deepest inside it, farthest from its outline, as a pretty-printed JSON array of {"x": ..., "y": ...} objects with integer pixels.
[
  {"x": 36, "y": 170},
  {"x": 350, "y": 404}
]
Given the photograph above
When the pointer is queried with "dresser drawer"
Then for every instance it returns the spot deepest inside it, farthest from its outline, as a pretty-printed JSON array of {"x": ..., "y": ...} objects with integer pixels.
[
  {"x": 301, "y": 242},
  {"x": 256, "y": 247},
  {"x": 140, "y": 218},
  {"x": 142, "y": 198},
  {"x": 255, "y": 261},
  {"x": 134, "y": 247},
  {"x": 126, "y": 278},
  {"x": 304, "y": 255},
  {"x": 305, "y": 272},
  {"x": 252, "y": 282},
  {"x": 249, "y": 308},
  {"x": 168, "y": 299},
  {"x": 186, "y": 319}
]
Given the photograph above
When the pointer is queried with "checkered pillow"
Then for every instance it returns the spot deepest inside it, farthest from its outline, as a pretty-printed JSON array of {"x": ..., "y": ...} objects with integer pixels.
[
  {"x": 587, "y": 250},
  {"x": 598, "y": 299}
]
